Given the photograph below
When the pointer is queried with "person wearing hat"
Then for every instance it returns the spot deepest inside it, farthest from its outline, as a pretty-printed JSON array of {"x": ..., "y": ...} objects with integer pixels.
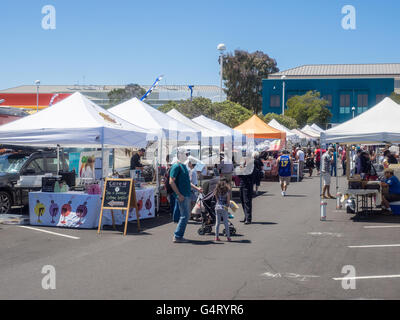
[
  {"x": 179, "y": 180},
  {"x": 393, "y": 195},
  {"x": 326, "y": 162}
]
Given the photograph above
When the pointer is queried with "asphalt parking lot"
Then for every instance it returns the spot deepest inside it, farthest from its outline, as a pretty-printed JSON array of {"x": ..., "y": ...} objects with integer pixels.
[{"x": 287, "y": 253}]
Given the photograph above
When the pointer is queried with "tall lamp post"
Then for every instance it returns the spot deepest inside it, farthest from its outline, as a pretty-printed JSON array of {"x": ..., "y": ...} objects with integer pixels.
[
  {"x": 37, "y": 82},
  {"x": 221, "y": 48},
  {"x": 283, "y": 94}
]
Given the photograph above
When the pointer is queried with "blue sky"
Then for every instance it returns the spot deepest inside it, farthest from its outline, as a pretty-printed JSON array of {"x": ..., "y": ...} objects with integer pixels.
[{"x": 129, "y": 41}]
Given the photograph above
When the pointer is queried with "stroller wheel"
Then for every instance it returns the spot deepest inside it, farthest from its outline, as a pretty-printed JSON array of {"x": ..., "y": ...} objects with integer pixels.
[
  {"x": 208, "y": 229},
  {"x": 232, "y": 230},
  {"x": 201, "y": 231},
  {"x": 224, "y": 232}
]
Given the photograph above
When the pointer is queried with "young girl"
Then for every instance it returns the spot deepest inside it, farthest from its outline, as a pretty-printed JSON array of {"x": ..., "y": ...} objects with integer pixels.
[{"x": 222, "y": 195}]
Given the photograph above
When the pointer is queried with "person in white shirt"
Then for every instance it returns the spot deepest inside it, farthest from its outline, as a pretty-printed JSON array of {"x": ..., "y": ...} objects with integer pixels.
[{"x": 300, "y": 156}]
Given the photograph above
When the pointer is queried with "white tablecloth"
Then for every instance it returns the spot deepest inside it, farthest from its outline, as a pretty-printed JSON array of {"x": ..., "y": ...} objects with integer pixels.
[{"x": 80, "y": 210}]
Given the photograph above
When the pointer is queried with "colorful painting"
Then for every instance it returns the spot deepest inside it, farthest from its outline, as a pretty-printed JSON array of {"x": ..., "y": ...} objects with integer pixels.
[
  {"x": 65, "y": 211},
  {"x": 81, "y": 212},
  {"x": 53, "y": 211},
  {"x": 40, "y": 209}
]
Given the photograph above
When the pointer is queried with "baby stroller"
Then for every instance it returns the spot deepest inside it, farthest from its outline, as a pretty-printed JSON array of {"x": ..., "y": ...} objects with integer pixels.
[{"x": 208, "y": 215}]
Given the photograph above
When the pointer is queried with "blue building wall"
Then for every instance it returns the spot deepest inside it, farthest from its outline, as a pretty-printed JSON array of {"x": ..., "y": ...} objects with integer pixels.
[{"x": 334, "y": 87}]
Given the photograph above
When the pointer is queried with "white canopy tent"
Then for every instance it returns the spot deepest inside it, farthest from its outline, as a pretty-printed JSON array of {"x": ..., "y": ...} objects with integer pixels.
[
  {"x": 293, "y": 137},
  {"x": 380, "y": 124},
  {"x": 217, "y": 126},
  {"x": 316, "y": 128},
  {"x": 311, "y": 132},
  {"x": 148, "y": 117},
  {"x": 74, "y": 122},
  {"x": 232, "y": 138},
  {"x": 303, "y": 135},
  {"x": 206, "y": 133}
]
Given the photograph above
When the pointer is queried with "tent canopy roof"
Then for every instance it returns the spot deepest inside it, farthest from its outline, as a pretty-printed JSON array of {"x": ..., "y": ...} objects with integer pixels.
[
  {"x": 259, "y": 129},
  {"x": 140, "y": 113},
  {"x": 75, "y": 121},
  {"x": 380, "y": 124},
  {"x": 205, "y": 132},
  {"x": 216, "y": 126}
]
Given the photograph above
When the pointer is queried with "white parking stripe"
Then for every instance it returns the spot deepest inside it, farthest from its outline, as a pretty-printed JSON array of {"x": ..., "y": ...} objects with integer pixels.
[
  {"x": 54, "y": 233},
  {"x": 369, "y": 277},
  {"x": 376, "y": 246},
  {"x": 379, "y": 227}
]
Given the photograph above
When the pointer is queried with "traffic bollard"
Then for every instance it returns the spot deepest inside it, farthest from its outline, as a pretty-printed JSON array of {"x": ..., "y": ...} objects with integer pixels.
[{"x": 323, "y": 210}]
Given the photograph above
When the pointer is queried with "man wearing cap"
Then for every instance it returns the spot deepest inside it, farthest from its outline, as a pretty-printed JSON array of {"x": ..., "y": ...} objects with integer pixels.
[
  {"x": 180, "y": 183},
  {"x": 326, "y": 162},
  {"x": 393, "y": 183}
]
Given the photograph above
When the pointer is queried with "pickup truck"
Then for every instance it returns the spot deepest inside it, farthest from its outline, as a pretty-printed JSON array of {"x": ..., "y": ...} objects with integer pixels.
[{"x": 21, "y": 173}]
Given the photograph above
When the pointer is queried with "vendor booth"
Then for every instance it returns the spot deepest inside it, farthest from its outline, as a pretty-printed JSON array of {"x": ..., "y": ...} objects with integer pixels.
[
  {"x": 72, "y": 123},
  {"x": 311, "y": 132},
  {"x": 379, "y": 125},
  {"x": 290, "y": 136}
]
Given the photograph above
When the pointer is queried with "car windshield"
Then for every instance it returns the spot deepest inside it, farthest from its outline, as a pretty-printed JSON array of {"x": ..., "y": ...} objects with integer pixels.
[{"x": 12, "y": 163}]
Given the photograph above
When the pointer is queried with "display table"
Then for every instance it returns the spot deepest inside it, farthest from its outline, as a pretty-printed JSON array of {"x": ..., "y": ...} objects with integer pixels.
[
  {"x": 365, "y": 195},
  {"x": 81, "y": 210},
  {"x": 147, "y": 207},
  {"x": 69, "y": 209}
]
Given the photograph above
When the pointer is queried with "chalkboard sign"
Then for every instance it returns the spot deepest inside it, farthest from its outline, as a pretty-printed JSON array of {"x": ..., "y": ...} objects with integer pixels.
[{"x": 119, "y": 194}]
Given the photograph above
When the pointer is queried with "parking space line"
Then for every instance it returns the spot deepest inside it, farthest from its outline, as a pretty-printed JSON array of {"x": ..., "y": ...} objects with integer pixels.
[
  {"x": 368, "y": 277},
  {"x": 54, "y": 233},
  {"x": 381, "y": 227},
  {"x": 376, "y": 246}
]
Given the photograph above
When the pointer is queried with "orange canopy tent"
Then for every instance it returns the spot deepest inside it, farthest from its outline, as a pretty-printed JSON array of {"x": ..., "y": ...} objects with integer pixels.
[{"x": 255, "y": 127}]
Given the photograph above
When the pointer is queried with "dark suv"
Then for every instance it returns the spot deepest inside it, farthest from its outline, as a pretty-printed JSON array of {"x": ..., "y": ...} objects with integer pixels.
[{"x": 21, "y": 173}]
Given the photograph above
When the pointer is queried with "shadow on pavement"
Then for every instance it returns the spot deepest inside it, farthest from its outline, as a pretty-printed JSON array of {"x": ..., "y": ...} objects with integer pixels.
[{"x": 376, "y": 218}]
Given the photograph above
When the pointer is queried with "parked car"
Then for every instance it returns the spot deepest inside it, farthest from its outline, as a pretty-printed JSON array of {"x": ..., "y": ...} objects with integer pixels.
[{"x": 21, "y": 173}]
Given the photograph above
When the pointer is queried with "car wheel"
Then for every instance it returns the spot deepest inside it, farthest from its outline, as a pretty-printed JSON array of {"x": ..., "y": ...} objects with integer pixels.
[{"x": 5, "y": 202}]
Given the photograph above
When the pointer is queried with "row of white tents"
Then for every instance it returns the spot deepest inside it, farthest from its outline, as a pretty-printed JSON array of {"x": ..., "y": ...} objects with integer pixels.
[
  {"x": 300, "y": 136},
  {"x": 76, "y": 121}
]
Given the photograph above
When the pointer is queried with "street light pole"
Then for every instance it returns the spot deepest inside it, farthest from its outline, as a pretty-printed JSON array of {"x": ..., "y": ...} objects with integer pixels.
[
  {"x": 221, "y": 48},
  {"x": 353, "y": 109},
  {"x": 37, "y": 82},
  {"x": 283, "y": 95}
]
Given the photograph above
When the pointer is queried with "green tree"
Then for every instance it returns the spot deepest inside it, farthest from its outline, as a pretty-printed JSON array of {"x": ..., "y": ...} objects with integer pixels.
[
  {"x": 117, "y": 96},
  {"x": 243, "y": 73},
  {"x": 191, "y": 109},
  {"x": 395, "y": 97},
  {"x": 309, "y": 108},
  {"x": 227, "y": 112},
  {"x": 284, "y": 120},
  {"x": 230, "y": 113}
]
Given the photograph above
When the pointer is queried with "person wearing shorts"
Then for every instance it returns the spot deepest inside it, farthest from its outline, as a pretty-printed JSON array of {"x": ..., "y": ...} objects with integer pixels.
[
  {"x": 285, "y": 169},
  {"x": 326, "y": 160}
]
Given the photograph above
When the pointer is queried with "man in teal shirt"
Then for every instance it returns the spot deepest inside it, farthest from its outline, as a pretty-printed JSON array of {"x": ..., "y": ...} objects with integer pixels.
[{"x": 180, "y": 183}]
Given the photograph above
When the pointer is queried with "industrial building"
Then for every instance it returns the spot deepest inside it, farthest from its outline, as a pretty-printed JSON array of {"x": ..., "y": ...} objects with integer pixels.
[
  {"x": 350, "y": 89},
  {"x": 25, "y": 96}
]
